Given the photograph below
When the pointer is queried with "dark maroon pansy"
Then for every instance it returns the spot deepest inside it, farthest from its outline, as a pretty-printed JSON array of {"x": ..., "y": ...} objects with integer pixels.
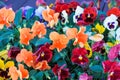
[
  {"x": 89, "y": 15},
  {"x": 61, "y": 72},
  {"x": 13, "y": 51},
  {"x": 79, "y": 56},
  {"x": 44, "y": 53},
  {"x": 107, "y": 65},
  {"x": 98, "y": 46}
]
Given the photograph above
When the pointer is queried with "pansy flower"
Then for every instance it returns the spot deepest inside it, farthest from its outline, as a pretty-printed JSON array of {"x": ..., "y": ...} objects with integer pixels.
[
  {"x": 89, "y": 15},
  {"x": 42, "y": 65},
  {"x": 60, "y": 41},
  {"x": 85, "y": 76},
  {"x": 62, "y": 6},
  {"x": 4, "y": 66},
  {"x": 64, "y": 17},
  {"x": 78, "y": 14},
  {"x": 25, "y": 36},
  {"x": 44, "y": 53},
  {"x": 96, "y": 37},
  {"x": 114, "y": 52},
  {"x": 26, "y": 57},
  {"x": 6, "y": 17},
  {"x": 61, "y": 72},
  {"x": 50, "y": 16},
  {"x": 80, "y": 37},
  {"x": 38, "y": 11},
  {"x": 79, "y": 56},
  {"x": 24, "y": 11},
  {"x": 111, "y": 22},
  {"x": 73, "y": 5},
  {"x": 4, "y": 54},
  {"x": 107, "y": 65},
  {"x": 40, "y": 2},
  {"x": 98, "y": 46},
  {"x": 38, "y": 29},
  {"x": 100, "y": 28},
  {"x": 20, "y": 73},
  {"x": 114, "y": 72},
  {"x": 13, "y": 51},
  {"x": 114, "y": 11}
]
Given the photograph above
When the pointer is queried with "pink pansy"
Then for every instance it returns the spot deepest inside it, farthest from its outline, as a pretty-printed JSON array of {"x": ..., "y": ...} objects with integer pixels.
[
  {"x": 85, "y": 76},
  {"x": 114, "y": 52}
]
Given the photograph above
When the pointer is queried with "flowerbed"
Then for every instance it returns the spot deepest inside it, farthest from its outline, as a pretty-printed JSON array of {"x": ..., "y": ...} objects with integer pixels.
[{"x": 61, "y": 41}]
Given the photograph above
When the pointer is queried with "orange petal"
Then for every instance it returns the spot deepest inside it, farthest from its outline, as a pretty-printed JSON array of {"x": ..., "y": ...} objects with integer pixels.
[
  {"x": 56, "y": 15},
  {"x": 19, "y": 58},
  {"x": 13, "y": 73},
  {"x": 25, "y": 36},
  {"x": 54, "y": 36},
  {"x": 63, "y": 39},
  {"x": 38, "y": 29},
  {"x": 23, "y": 71},
  {"x": 71, "y": 33},
  {"x": 44, "y": 66}
]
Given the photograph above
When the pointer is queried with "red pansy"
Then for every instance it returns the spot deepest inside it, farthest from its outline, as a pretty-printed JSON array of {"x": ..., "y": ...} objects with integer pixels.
[
  {"x": 89, "y": 15},
  {"x": 107, "y": 65},
  {"x": 114, "y": 73},
  {"x": 61, "y": 72},
  {"x": 79, "y": 56},
  {"x": 114, "y": 11}
]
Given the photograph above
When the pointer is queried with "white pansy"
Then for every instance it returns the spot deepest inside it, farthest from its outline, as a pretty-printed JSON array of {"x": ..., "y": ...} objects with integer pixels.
[
  {"x": 79, "y": 10},
  {"x": 111, "y": 22},
  {"x": 118, "y": 34},
  {"x": 38, "y": 11},
  {"x": 64, "y": 16}
]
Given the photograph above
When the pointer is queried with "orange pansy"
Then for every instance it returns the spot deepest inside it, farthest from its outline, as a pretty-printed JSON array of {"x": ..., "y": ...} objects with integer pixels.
[
  {"x": 13, "y": 73},
  {"x": 43, "y": 65},
  {"x": 26, "y": 57},
  {"x": 80, "y": 37},
  {"x": 71, "y": 33},
  {"x": 59, "y": 41},
  {"x": 6, "y": 16},
  {"x": 50, "y": 16},
  {"x": 22, "y": 73},
  {"x": 25, "y": 36},
  {"x": 38, "y": 29}
]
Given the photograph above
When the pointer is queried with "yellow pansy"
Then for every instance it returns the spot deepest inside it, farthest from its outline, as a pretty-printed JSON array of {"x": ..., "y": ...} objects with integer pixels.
[
  {"x": 4, "y": 54},
  {"x": 100, "y": 28},
  {"x": 111, "y": 44},
  {"x": 87, "y": 47},
  {"x": 6, "y": 65}
]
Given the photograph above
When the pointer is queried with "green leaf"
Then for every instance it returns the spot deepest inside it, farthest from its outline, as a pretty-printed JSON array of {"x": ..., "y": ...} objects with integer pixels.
[
  {"x": 96, "y": 68},
  {"x": 39, "y": 76},
  {"x": 18, "y": 17},
  {"x": 61, "y": 62},
  {"x": 56, "y": 57},
  {"x": 29, "y": 13},
  {"x": 42, "y": 41},
  {"x": 47, "y": 75}
]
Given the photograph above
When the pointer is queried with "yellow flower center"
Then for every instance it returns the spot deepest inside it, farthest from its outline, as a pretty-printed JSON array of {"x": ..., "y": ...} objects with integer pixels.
[
  {"x": 88, "y": 16},
  {"x": 111, "y": 74},
  {"x": 42, "y": 54},
  {"x": 80, "y": 57}
]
